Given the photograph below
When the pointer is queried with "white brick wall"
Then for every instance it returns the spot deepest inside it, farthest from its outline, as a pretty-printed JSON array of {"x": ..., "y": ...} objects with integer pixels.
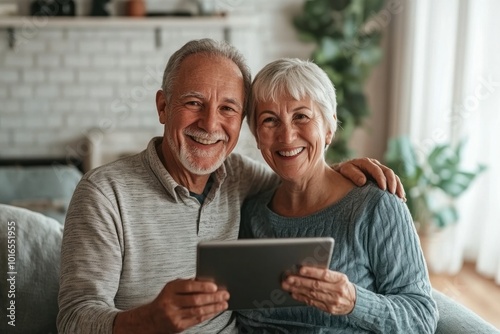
[
  {"x": 60, "y": 84},
  {"x": 8, "y": 76}
]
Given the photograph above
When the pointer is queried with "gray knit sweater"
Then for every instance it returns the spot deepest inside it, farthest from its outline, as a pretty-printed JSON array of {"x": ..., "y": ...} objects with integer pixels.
[
  {"x": 375, "y": 246},
  {"x": 131, "y": 228}
]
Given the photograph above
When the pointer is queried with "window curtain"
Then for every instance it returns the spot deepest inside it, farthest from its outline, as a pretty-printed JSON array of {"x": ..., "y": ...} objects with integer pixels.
[{"x": 445, "y": 86}]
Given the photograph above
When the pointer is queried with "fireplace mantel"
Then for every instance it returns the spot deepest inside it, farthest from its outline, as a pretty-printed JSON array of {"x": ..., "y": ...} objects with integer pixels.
[
  {"x": 226, "y": 23},
  {"x": 229, "y": 22}
]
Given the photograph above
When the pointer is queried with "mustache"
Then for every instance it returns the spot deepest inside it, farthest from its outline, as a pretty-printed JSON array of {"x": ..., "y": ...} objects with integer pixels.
[{"x": 215, "y": 136}]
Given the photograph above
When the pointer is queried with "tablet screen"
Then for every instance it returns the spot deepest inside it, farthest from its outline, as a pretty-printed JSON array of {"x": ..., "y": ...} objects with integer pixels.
[{"x": 252, "y": 269}]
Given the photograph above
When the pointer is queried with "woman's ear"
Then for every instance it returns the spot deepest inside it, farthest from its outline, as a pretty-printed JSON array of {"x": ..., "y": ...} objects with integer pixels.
[
  {"x": 329, "y": 136},
  {"x": 330, "y": 131}
]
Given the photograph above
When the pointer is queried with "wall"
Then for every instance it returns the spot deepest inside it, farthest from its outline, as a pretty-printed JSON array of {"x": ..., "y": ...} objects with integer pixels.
[{"x": 61, "y": 85}]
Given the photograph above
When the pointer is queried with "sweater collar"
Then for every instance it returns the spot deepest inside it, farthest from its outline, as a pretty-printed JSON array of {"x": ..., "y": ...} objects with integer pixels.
[{"x": 177, "y": 191}]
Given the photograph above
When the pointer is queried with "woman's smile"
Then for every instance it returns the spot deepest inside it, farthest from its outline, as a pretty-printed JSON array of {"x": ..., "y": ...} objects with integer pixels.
[{"x": 291, "y": 153}]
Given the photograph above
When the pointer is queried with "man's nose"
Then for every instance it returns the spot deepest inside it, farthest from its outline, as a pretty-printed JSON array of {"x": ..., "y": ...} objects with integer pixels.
[{"x": 209, "y": 119}]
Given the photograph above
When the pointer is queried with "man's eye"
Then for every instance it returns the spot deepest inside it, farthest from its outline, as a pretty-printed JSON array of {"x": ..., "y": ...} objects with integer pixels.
[
  {"x": 227, "y": 108},
  {"x": 193, "y": 105}
]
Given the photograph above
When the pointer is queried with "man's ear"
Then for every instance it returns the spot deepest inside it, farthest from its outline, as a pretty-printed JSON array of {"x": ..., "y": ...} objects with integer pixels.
[{"x": 161, "y": 106}]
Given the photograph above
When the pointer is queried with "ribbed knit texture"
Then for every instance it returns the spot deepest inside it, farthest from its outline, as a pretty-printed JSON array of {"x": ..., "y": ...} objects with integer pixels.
[
  {"x": 375, "y": 246},
  {"x": 131, "y": 228}
]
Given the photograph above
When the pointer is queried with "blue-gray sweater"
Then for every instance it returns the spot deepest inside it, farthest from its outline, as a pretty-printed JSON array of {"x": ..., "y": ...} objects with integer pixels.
[{"x": 375, "y": 246}]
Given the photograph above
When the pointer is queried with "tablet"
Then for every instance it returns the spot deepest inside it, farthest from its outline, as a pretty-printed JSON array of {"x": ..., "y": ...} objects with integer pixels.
[{"x": 252, "y": 269}]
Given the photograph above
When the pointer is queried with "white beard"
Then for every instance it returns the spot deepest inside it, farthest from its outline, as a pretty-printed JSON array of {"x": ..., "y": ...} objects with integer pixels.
[{"x": 188, "y": 158}]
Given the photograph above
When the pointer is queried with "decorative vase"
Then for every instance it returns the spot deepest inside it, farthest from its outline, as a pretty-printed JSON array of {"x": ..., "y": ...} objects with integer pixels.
[{"x": 136, "y": 8}]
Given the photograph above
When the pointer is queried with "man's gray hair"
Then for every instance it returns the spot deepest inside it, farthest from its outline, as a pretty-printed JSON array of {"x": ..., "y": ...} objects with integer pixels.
[
  {"x": 211, "y": 48},
  {"x": 300, "y": 79}
]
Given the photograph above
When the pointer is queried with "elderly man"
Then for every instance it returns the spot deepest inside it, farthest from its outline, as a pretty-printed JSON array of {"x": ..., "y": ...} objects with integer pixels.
[{"x": 129, "y": 246}]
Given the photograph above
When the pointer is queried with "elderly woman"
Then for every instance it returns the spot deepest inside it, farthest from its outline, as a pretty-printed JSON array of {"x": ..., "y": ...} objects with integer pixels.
[{"x": 377, "y": 280}]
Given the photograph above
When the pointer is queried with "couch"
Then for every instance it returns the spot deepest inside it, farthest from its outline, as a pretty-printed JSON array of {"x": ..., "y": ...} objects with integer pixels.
[
  {"x": 33, "y": 205},
  {"x": 37, "y": 249},
  {"x": 37, "y": 256}
]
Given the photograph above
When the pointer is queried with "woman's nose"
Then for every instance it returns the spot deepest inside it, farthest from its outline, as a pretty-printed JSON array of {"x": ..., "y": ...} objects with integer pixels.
[{"x": 286, "y": 133}]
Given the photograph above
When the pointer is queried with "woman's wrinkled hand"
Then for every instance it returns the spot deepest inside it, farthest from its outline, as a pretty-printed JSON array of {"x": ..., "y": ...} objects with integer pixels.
[{"x": 325, "y": 289}]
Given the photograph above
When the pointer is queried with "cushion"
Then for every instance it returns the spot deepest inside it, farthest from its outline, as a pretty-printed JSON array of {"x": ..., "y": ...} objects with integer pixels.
[
  {"x": 36, "y": 241},
  {"x": 457, "y": 319}
]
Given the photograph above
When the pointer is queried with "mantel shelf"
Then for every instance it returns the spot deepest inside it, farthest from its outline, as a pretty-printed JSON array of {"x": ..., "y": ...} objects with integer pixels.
[
  {"x": 229, "y": 21},
  {"x": 226, "y": 23}
]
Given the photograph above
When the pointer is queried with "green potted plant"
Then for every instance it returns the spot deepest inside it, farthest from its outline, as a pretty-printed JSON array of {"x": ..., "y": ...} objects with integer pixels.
[
  {"x": 432, "y": 181},
  {"x": 347, "y": 48}
]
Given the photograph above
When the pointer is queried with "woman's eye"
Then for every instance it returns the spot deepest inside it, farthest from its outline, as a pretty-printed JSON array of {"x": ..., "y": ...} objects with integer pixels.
[
  {"x": 301, "y": 117},
  {"x": 270, "y": 121}
]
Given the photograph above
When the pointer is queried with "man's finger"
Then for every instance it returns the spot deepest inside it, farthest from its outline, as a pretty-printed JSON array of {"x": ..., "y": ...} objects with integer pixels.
[
  {"x": 202, "y": 311},
  {"x": 201, "y": 299},
  {"x": 394, "y": 184},
  {"x": 192, "y": 286},
  {"x": 357, "y": 169},
  {"x": 392, "y": 181},
  {"x": 376, "y": 170},
  {"x": 371, "y": 167},
  {"x": 352, "y": 172}
]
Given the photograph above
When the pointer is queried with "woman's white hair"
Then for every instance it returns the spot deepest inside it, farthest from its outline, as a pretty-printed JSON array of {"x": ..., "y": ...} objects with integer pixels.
[{"x": 298, "y": 78}]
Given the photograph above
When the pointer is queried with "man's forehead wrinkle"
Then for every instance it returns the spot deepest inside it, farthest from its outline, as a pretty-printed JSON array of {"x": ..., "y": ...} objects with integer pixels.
[
  {"x": 193, "y": 94},
  {"x": 202, "y": 96}
]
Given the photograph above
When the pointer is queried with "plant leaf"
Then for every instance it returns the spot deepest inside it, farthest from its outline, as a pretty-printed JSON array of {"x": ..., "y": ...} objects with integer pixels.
[
  {"x": 330, "y": 49},
  {"x": 446, "y": 216},
  {"x": 401, "y": 157},
  {"x": 457, "y": 183}
]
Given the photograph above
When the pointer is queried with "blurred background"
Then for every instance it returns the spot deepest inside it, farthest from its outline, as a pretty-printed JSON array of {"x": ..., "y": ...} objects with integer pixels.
[{"x": 418, "y": 86}]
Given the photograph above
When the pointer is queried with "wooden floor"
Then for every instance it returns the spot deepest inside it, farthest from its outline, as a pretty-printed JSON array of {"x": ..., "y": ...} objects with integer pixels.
[{"x": 477, "y": 293}]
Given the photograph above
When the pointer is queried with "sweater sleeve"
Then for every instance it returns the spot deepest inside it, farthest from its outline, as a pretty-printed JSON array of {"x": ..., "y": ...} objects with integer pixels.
[
  {"x": 257, "y": 177},
  {"x": 91, "y": 261},
  {"x": 403, "y": 302}
]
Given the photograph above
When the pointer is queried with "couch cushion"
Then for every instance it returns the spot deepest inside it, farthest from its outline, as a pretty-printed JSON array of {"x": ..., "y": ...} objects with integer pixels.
[
  {"x": 457, "y": 319},
  {"x": 37, "y": 254}
]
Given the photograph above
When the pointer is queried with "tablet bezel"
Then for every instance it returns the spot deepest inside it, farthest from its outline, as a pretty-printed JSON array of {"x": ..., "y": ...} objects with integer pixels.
[{"x": 252, "y": 269}]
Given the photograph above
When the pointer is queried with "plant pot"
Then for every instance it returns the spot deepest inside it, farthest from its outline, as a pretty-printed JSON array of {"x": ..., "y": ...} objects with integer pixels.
[{"x": 137, "y": 8}]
